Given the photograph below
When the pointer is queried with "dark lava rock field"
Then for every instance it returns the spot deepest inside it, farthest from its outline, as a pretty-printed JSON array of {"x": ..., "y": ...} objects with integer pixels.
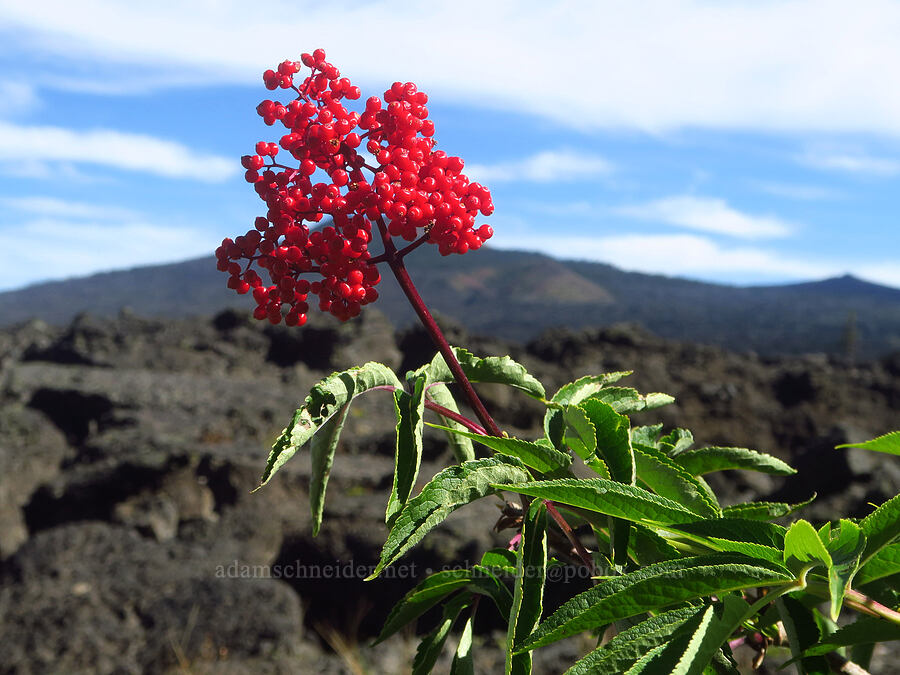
[{"x": 130, "y": 540}]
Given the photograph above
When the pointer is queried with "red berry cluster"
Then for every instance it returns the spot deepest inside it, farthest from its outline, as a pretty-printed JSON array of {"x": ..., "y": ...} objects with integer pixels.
[{"x": 414, "y": 192}]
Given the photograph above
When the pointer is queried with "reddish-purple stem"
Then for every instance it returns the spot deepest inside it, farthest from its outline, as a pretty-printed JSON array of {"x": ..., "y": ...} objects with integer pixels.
[
  {"x": 446, "y": 412},
  {"x": 399, "y": 269},
  {"x": 456, "y": 417},
  {"x": 570, "y": 535}
]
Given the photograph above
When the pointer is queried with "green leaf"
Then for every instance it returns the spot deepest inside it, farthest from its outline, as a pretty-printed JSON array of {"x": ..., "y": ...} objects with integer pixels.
[
  {"x": 463, "y": 660},
  {"x": 410, "y": 409},
  {"x": 733, "y": 529},
  {"x": 462, "y": 447},
  {"x": 650, "y": 657},
  {"x": 613, "y": 439},
  {"x": 450, "y": 489},
  {"x": 845, "y": 544},
  {"x": 423, "y": 597},
  {"x": 582, "y": 388},
  {"x": 655, "y": 587},
  {"x": 528, "y": 595},
  {"x": 889, "y": 443},
  {"x": 676, "y": 441},
  {"x": 646, "y": 435},
  {"x": 762, "y": 510},
  {"x": 647, "y": 547},
  {"x": 321, "y": 450},
  {"x": 625, "y": 400},
  {"x": 496, "y": 369},
  {"x": 881, "y": 527},
  {"x": 662, "y": 475},
  {"x": 500, "y": 560},
  {"x": 753, "y": 538},
  {"x": 885, "y": 563},
  {"x": 539, "y": 457},
  {"x": 707, "y": 460},
  {"x": 572, "y": 394},
  {"x": 325, "y": 400},
  {"x": 580, "y": 436},
  {"x": 486, "y": 583},
  {"x": 630, "y": 645},
  {"x": 864, "y": 630},
  {"x": 802, "y": 547},
  {"x": 430, "y": 648},
  {"x": 609, "y": 497},
  {"x": 691, "y": 656},
  {"x": 803, "y": 632}
]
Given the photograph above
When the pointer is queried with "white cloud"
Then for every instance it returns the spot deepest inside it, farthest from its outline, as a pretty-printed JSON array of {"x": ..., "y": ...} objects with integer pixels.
[
  {"x": 53, "y": 207},
  {"x": 707, "y": 215},
  {"x": 810, "y": 193},
  {"x": 544, "y": 167},
  {"x": 851, "y": 162},
  {"x": 47, "y": 248},
  {"x": 134, "y": 152},
  {"x": 810, "y": 65},
  {"x": 676, "y": 255},
  {"x": 16, "y": 97}
]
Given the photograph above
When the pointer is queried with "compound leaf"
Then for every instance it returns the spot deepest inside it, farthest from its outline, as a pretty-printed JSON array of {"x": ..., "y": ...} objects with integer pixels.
[
  {"x": 655, "y": 587},
  {"x": 431, "y": 645},
  {"x": 881, "y": 527},
  {"x": 630, "y": 645},
  {"x": 609, "y": 497},
  {"x": 528, "y": 595},
  {"x": 462, "y": 447},
  {"x": 450, "y": 489},
  {"x": 625, "y": 400},
  {"x": 423, "y": 597},
  {"x": 463, "y": 660},
  {"x": 580, "y": 436},
  {"x": 889, "y": 443},
  {"x": 540, "y": 457},
  {"x": 762, "y": 510},
  {"x": 666, "y": 478},
  {"x": 321, "y": 449},
  {"x": 707, "y": 460},
  {"x": 496, "y": 369},
  {"x": 613, "y": 439},
  {"x": 885, "y": 563},
  {"x": 325, "y": 400},
  {"x": 864, "y": 630},
  {"x": 845, "y": 544},
  {"x": 408, "y": 449}
]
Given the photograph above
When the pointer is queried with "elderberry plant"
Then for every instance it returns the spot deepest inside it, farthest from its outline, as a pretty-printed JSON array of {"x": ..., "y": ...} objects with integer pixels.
[{"x": 678, "y": 580}]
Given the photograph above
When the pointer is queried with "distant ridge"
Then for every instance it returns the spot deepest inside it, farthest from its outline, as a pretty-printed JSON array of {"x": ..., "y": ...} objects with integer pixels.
[{"x": 517, "y": 295}]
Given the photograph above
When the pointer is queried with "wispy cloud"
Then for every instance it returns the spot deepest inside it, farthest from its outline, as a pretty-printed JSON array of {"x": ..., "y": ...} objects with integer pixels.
[
  {"x": 638, "y": 65},
  {"x": 544, "y": 167},
  {"x": 811, "y": 193},
  {"x": 676, "y": 255},
  {"x": 708, "y": 215},
  {"x": 851, "y": 162},
  {"x": 16, "y": 97},
  {"x": 116, "y": 149},
  {"x": 54, "y": 248},
  {"x": 37, "y": 206}
]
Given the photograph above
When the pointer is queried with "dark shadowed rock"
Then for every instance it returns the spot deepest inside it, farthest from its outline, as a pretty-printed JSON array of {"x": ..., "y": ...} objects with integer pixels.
[
  {"x": 32, "y": 453},
  {"x": 91, "y": 597}
]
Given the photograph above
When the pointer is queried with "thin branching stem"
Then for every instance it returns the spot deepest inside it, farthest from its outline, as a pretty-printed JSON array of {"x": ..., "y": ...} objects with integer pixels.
[{"x": 582, "y": 552}]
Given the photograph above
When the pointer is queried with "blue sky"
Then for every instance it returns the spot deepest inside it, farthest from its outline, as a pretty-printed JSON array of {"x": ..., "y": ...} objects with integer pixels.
[{"x": 739, "y": 142}]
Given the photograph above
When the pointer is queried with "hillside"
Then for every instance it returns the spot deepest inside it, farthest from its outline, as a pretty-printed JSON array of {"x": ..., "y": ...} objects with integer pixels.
[{"x": 517, "y": 295}]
